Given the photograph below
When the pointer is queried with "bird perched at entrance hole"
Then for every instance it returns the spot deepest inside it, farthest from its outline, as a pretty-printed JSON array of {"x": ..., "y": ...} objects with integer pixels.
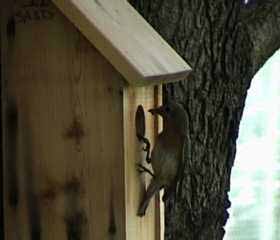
[{"x": 167, "y": 154}]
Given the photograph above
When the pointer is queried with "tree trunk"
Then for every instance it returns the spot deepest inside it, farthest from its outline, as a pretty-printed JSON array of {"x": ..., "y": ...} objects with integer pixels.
[{"x": 225, "y": 42}]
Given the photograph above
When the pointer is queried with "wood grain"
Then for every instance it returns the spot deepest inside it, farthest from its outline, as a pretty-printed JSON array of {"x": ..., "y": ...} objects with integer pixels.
[
  {"x": 122, "y": 35},
  {"x": 159, "y": 207},
  {"x": 147, "y": 227},
  {"x": 67, "y": 150},
  {"x": 5, "y": 16}
]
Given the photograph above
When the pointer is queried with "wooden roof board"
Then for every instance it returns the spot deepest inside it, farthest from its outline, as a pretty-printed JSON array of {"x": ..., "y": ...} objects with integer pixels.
[{"x": 126, "y": 40}]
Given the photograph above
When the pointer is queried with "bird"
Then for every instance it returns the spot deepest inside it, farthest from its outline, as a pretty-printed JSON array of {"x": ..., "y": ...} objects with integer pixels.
[{"x": 167, "y": 153}]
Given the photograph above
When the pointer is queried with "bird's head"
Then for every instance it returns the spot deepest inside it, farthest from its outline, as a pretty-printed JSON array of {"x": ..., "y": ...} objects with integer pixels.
[{"x": 174, "y": 116}]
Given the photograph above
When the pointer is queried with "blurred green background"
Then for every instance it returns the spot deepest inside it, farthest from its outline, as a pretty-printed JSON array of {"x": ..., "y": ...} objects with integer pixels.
[{"x": 255, "y": 181}]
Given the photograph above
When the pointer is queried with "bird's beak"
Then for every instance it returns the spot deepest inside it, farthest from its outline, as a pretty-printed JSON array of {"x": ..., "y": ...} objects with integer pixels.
[{"x": 158, "y": 111}]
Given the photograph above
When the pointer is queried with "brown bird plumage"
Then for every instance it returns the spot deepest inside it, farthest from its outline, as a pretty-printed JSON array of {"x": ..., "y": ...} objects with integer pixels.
[{"x": 167, "y": 154}]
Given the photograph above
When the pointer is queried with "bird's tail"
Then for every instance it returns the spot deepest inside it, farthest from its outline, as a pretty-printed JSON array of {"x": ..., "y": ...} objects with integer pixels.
[{"x": 152, "y": 189}]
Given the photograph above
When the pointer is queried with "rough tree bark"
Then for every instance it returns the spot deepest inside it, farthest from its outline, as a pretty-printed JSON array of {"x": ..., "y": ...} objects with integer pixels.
[{"x": 226, "y": 42}]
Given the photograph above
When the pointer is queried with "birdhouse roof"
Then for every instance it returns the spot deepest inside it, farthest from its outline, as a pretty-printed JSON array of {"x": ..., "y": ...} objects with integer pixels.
[{"x": 126, "y": 40}]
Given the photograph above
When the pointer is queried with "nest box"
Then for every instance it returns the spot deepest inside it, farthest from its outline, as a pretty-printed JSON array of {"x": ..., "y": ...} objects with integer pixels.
[{"x": 74, "y": 73}]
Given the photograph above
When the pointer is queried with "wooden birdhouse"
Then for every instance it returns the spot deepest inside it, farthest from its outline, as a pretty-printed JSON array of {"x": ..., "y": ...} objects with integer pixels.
[{"x": 73, "y": 75}]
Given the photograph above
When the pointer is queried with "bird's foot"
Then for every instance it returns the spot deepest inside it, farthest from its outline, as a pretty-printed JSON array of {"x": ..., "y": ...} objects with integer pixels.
[
  {"x": 142, "y": 169},
  {"x": 147, "y": 147}
]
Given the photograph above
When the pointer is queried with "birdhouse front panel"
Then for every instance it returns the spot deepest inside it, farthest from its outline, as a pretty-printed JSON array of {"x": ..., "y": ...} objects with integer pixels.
[{"x": 64, "y": 166}]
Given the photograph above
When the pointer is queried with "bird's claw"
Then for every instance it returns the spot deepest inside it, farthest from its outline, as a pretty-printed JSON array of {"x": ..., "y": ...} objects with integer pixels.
[
  {"x": 147, "y": 147},
  {"x": 142, "y": 169}
]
